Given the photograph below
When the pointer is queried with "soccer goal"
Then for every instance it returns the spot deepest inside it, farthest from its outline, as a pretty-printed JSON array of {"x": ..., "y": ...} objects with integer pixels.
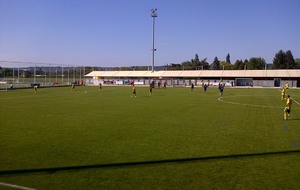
[{"x": 3, "y": 85}]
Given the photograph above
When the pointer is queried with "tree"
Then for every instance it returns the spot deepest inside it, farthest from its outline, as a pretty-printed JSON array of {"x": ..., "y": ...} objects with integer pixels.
[
  {"x": 6, "y": 72},
  {"x": 2, "y": 72},
  {"x": 256, "y": 63},
  {"x": 279, "y": 61},
  {"x": 187, "y": 65},
  {"x": 297, "y": 62},
  {"x": 215, "y": 64},
  {"x": 290, "y": 61},
  {"x": 204, "y": 64},
  {"x": 245, "y": 64},
  {"x": 174, "y": 66},
  {"x": 228, "y": 59},
  {"x": 239, "y": 65},
  {"x": 225, "y": 65},
  {"x": 27, "y": 73},
  {"x": 196, "y": 62}
]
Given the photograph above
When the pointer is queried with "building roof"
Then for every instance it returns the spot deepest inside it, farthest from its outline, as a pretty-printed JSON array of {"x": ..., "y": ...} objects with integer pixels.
[{"x": 291, "y": 73}]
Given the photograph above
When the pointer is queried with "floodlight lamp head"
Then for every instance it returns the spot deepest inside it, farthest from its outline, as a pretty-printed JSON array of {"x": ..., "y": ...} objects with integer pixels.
[{"x": 154, "y": 12}]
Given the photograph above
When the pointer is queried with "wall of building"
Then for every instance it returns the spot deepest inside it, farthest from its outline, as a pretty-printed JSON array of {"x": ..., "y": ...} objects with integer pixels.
[{"x": 188, "y": 81}]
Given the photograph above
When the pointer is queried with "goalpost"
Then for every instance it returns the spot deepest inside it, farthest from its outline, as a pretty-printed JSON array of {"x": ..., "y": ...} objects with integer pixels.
[
  {"x": 25, "y": 74},
  {"x": 3, "y": 85}
]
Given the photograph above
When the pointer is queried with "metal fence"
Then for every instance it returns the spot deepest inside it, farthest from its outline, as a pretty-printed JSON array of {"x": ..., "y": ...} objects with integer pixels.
[{"x": 26, "y": 74}]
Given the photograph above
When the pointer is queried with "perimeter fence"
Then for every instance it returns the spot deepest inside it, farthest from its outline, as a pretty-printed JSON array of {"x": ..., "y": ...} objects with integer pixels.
[{"x": 27, "y": 74}]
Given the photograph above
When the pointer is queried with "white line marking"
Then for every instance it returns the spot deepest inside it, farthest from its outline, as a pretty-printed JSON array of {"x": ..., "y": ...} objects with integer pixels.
[
  {"x": 15, "y": 186},
  {"x": 295, "y": 101},
  {"x": 252, "y": 105}
]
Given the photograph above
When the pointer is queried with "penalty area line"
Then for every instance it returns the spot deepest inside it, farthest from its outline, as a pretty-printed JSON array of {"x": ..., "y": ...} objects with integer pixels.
[{"x": 15, "y": 186}]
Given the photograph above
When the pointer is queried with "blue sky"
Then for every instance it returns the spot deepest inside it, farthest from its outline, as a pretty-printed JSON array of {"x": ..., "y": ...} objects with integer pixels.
[{"x": 119, "y": 32}]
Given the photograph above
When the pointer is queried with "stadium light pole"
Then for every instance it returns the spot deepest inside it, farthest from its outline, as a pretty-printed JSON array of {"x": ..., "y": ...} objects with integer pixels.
[
  {"x": 153, "y": 15},
  {"x": 19, "y": 73}
]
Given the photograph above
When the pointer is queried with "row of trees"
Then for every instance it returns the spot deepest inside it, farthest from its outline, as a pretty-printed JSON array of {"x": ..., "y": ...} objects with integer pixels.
[{"x": 282, "y": 60}]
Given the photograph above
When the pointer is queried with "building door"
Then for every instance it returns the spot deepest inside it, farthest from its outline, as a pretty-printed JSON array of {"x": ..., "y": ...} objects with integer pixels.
[{"x": 277, "y": 82}]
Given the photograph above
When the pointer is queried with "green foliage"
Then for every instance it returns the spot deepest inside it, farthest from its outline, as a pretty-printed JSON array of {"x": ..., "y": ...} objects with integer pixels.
[
  {"x": 174, "y": 66},
  {"x": 238, "y": 65},
  {"x": 228, "y": 59},
  {"x": 297, "y": 62},
  {"x": 187, "y": 65},
  {"x": 290, "y": 61},
  {"x": 196, "y": 62},
  {"x": 284, "y": 60},
  {"x": 215, "y": 64},
  {"x": 226, "y": 65},
  {"x": 205, "y": 64},
  {"x": 256, "y": 63}
]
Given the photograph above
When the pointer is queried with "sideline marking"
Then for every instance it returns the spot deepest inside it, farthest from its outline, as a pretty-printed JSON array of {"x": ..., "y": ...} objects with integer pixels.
[
  {"x": 295, "y": 101},
  {"x": 15, "y": 186}
]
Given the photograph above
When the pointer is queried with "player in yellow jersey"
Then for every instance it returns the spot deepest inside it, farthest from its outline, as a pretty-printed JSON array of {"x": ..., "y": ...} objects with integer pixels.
[
  {"x": 133, "y": 91},
  {"x": 35, "y": 87},
  {"x": 150, "y": 89},
  {"x": 286, "y": 86},
  {"x": 283, "y": 93},
  {"x": 287, "y": 109}
]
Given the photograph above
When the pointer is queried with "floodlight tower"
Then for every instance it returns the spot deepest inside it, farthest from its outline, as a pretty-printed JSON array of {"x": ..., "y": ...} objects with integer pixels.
[{"x": 153, "y": 15}]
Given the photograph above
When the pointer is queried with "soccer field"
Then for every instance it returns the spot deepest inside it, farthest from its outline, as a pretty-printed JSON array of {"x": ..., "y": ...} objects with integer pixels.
[{"x": 175, "y": 139}]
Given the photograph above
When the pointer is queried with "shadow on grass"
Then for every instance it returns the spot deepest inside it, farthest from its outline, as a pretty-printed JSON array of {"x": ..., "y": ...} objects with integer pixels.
[{"x": 142, "y": 163}]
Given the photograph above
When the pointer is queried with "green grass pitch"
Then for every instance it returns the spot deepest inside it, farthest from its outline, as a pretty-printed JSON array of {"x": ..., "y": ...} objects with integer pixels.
[{"x": 174, "y": 139}]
